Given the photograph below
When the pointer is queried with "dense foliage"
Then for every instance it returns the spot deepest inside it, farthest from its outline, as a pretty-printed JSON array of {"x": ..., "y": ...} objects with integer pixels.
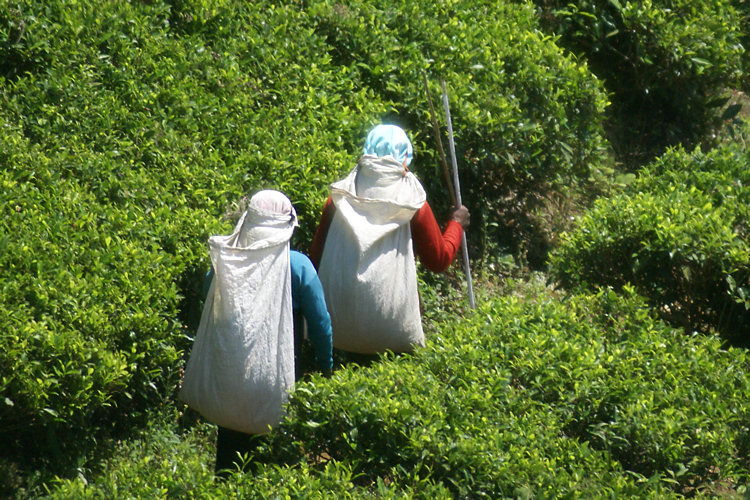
[
  {"x": 594, "y": 380},
  {"x": 123, "y": 141},
  {"x": 527, "y": 397},
  {"x": 679, "y": 234},
  {"x": 667, "y": 64},
  {"x": 127, "y": 129},
  {"x": 743, "y": 8},
  {"x": 527, "y": 119}
]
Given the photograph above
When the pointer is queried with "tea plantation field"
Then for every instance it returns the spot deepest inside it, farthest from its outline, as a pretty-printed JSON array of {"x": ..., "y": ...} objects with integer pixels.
[
  {"x": 531, "y": 395},
  {"x": 603, "y": 152}
]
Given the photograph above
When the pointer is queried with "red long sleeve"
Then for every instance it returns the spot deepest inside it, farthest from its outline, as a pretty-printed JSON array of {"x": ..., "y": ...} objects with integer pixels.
[
  {"x": 436, "y": 250},
  {"x": 319, "y": 240}
]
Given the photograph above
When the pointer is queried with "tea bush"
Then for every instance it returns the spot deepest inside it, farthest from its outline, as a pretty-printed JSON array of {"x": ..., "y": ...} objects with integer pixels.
[
  {"x": 119, "y": 152},
  {"x": 667, "y": 65},
  {"x": 127, "y": 129},
  {"x": 642, "y": 391},
  {"x": 527, "y": 119},
  {"x": 679, "y": 235},
  {"x": 167, "y": 463},
  {"x": 539, "y": 397},
  {"x": 743, "y": 8},
  {"x": 528, "y": 396}
]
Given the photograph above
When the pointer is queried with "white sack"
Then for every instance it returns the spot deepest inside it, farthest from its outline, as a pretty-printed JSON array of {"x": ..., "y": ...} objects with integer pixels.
[
  {"x": 367, "y": 269},
  {"x": 242, "y": 363}
]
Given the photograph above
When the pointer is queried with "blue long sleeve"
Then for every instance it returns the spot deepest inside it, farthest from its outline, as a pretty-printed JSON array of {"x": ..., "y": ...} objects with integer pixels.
[{"x": 307, "y": 296}]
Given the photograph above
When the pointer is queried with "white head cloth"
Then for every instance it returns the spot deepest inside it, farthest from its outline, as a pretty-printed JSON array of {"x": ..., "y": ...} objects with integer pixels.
[{"x": 269, "y": 215}]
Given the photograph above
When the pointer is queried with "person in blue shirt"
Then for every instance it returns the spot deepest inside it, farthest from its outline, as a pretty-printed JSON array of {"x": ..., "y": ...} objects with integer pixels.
[
  {"x": 309, "y": 306},
  {"x": 311, "y": 321}
]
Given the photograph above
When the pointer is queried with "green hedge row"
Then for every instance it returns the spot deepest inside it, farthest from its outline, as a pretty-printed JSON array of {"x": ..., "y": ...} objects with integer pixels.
[
  {"x": 528, "y": 397},
  {"x": 587, "y": 397},
  {"x": 679, "y": 235},
  {"x": 128, "y": 128},
  {"x": 666, "y": 63},
  {"x": 122, "y": 143},
  {"x": 165, "y": 461},
  {"x": 527, "y": 118}
]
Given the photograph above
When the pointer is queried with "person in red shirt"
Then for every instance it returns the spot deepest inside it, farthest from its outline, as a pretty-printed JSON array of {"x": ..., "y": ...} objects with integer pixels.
[{"x": 382, "y": 176}]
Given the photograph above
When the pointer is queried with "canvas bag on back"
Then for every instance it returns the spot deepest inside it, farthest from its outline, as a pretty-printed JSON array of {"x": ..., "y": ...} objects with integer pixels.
[
  {"x": 367, "y": 269},
  {"x": 241, "y": 367}
]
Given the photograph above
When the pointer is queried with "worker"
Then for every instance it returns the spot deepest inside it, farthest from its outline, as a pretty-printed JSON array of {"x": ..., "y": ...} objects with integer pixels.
[
  {"x": 246, "y": 353},
  {"x": 373, "y": 223}
]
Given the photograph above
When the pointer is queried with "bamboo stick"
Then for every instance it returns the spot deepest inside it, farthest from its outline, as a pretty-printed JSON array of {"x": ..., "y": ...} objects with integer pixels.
[{"x": 451, "y": 144}]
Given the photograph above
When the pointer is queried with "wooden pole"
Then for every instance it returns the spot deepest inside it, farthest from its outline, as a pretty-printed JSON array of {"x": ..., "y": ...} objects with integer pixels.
[
  {"x": 436, "y": 130},
  {"x": 457, "y": 186}
]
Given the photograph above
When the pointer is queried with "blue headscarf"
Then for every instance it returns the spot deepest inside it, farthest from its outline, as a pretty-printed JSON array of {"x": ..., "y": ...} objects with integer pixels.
[{"x": 385, "y": 140}]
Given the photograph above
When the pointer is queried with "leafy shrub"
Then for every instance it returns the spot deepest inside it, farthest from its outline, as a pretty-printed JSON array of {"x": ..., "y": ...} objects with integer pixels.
[
  {"x": 167, "y": 463},
  {"x": 119, "y": 153},
  {"x": 527, "y": 118},
  {"x": 665, "y": 63},
  {"x": 538, "y": 397},
  {"x": 640, "y": 390},
  {"x": 528, "y": 396},
  {"x": 743, "y": 8},
  {"x": 89, "y": 321},
  {"x": 128, "y": 128},
  {"x": 679, "y": 235}
]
